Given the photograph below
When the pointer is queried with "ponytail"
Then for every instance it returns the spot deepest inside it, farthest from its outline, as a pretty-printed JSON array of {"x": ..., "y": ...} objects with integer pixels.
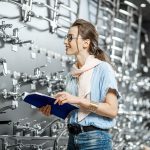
[{"x": 100, "y": 54}]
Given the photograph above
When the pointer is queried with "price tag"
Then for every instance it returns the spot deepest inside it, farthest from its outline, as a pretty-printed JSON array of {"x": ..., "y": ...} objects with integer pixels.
[
  {"x": 14, "y": 48},
  {"x": 15, "y": 103},
  {"x": 33, "y": 55},
  {"x": 14, "y": 81},
  {"x": 63, "y": 64},
  {"x": 49, "y": 89},
  {"x": 33, "y": 87},
  {"x": 49, "y": 59}
]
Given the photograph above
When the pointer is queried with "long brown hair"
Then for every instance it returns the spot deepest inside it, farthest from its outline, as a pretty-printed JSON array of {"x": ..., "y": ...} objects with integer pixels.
[{"x": 88, "y": 31}]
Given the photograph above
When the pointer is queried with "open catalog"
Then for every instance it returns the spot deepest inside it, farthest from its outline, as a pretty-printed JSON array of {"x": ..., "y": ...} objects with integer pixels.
[{"x": 38, "y": 100}]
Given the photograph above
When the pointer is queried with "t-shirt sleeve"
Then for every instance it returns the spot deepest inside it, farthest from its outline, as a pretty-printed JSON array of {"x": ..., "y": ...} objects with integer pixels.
[{"x": 108, "y": 81}]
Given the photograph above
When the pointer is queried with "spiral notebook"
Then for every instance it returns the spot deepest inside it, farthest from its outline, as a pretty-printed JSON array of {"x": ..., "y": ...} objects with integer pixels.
[{"x": 38, "y": 100}]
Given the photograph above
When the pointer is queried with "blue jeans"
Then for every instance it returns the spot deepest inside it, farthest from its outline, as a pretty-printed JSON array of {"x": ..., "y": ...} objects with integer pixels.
[{"x": 92, "y": 140}]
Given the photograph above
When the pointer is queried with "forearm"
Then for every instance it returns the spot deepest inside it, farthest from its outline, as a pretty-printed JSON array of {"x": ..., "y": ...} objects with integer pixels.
[
  {"x": 102, "y": 109},
  {"x": 108, "y": 108}
]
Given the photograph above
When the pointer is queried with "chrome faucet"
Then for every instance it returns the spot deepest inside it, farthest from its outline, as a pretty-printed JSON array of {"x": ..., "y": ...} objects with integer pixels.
[
  {"x": 8, "y": 94},
  {"x": 37, "y": 71},
  {"x": 4, "y": 63}
]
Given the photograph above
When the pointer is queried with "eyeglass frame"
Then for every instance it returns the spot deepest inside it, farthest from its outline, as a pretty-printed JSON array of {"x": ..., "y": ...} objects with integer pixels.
[{"x": 71, "y": 37}]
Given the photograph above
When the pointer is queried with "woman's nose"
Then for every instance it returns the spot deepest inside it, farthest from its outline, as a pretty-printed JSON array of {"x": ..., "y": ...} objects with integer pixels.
[{"x": 65, "y": 41}]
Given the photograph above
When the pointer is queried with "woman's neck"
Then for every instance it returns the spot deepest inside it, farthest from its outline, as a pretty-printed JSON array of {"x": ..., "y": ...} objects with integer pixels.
[{"x": 80, "y": 59}]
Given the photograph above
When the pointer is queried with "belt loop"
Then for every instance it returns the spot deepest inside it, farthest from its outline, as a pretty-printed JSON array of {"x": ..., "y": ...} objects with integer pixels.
[{"x": 82, "y": 128}]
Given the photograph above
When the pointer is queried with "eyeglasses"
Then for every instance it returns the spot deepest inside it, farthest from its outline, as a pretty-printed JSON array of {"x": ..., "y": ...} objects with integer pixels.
[{"x": 70, "y": 37}]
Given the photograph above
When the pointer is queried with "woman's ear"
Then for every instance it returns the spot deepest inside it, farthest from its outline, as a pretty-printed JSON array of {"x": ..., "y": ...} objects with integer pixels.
[{"x": 86, "y": 43}]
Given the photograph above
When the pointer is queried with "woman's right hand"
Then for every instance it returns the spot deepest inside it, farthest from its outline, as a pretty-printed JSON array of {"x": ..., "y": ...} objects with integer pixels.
[{"x": 46, "y": 110}]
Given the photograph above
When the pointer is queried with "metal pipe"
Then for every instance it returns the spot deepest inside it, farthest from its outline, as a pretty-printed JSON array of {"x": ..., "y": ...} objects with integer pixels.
[
  {"x": 138, "y": 41},
  {"x": 45, "y": 5},
  {"x": 26, "y": 8},
  {"x": 66, "y": 7},
  {"x": 48, "y": 125},
  {"x": 7, "y": 107}
]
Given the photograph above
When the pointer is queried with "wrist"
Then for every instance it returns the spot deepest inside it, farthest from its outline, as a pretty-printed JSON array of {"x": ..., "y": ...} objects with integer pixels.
[
  {"x": 93, "y": 106},
  {"x": 82, "y": 102},
  {"x": 78, "y": 101}
]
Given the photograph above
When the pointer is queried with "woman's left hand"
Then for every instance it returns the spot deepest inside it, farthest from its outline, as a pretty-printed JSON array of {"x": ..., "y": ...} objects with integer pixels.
[{"x": 64, "y": 97}]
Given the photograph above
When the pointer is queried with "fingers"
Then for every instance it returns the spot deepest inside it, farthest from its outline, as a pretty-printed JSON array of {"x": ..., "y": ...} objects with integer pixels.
[
  {"x": 59, "y": 94},
  {"x": 45, "y": 110},
  {"x": 63, "y": 102},
  {"x": 61, "y": 98}
]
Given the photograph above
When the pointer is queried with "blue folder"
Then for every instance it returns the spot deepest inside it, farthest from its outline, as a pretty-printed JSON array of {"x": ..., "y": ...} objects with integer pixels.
[{"x": 39, "y": 100}]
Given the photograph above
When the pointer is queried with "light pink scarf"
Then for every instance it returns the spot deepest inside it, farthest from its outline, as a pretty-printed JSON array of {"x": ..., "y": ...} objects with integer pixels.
[{"x": 84, "y": 75}]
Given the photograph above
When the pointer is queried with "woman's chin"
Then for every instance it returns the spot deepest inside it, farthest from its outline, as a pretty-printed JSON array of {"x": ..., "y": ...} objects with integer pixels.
[{"x": 68, "y": 53}]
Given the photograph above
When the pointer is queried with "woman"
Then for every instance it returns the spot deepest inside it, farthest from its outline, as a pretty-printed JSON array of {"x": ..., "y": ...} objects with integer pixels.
[{"x": 92, "y": 86}]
